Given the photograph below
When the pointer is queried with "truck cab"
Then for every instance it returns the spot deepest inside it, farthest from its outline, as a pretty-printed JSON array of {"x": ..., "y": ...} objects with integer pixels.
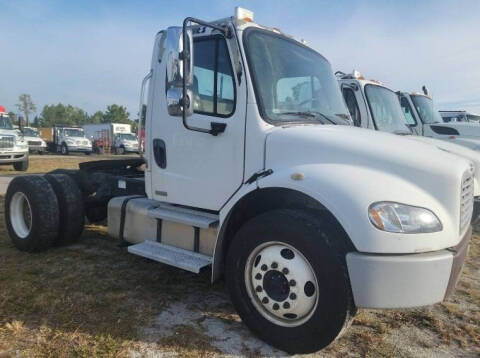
[
  {"x": 253, "y": 169},
  {"x": 425, "y": 120},
  {"x": 374, "y": 106},
  {"x": 13, "y": 147},
  {"x": 34, "y": 141},
  {"x": 71, "y": 139}
]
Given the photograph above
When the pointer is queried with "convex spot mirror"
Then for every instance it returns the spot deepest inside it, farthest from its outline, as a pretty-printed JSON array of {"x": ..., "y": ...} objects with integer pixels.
[{"x": 179, "y": 54}]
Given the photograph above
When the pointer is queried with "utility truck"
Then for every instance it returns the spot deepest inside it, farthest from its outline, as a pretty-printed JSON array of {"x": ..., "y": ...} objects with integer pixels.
[
  {"x": 374, "y": 106},
  {"x": 65, "y": 139},
  {"x": 425, "y": 120},
  {"x": 13, "y": 147},
  {"x": 116, "y": 137},
  {"x": 307, "y": 217},
  {"x": 459, "y": 116}
]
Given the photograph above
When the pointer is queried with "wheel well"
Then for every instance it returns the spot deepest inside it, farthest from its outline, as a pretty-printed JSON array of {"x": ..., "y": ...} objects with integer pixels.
[{"x": 258, "y": 202}]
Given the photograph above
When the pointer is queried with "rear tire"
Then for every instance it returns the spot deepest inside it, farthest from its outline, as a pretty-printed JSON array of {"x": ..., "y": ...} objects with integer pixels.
[
  {"x": 31, "y": 213},
  {"x": 70, "y": 204},
  {"x": 261, "y": 280},
  {"x": 21, "y": 166}
]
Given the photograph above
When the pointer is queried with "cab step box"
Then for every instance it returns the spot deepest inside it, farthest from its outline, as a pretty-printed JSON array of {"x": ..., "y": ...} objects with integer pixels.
[{"x": 170, "y": 255}]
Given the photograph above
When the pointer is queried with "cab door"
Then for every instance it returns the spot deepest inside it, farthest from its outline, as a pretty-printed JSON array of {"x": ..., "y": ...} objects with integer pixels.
[
  {"x": 411, "y": 120},
  {"x": 356, "y": 105},
  {"x": 199, "y": 169}
]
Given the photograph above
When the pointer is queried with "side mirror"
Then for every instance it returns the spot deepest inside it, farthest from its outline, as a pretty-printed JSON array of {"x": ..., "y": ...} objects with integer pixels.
[
  {"x": 179, "y": 47},
  {"x": 175, "y": 102}
]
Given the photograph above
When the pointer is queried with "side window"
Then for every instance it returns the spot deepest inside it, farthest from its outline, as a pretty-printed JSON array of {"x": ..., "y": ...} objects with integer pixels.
[
  {"x": 213, "y": 86},
  {"x": 352, "y": 106},
  {"x": 407, "y": 111}
]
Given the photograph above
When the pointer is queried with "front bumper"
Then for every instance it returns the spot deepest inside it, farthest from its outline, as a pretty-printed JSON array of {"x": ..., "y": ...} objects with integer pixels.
[
  {"x": 79, "y": 149},
  {"x": 36, "y": 148},
  {"x": 410, "y": 280},
  {"x": 12, "y": 157}
]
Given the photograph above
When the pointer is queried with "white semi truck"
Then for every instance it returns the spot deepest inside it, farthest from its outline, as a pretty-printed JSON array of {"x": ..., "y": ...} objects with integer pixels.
[
  {"x": 13, "y": 147},
  {"x": 374, "y": 106},
  {"x": 118, "y": 137},
  {"x": 307, "y": 220},
  {"x": 425, "y": 120}
]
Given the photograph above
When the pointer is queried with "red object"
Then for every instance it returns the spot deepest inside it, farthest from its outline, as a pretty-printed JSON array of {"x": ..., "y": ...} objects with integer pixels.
[{"x": 2, "y": 109}]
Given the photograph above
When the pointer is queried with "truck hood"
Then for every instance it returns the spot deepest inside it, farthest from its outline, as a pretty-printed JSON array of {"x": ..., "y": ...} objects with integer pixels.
[
  {"x": 457, "y": 147},
  {"x": 9, "y": 132},
  {"x": 411, "y": 160},
  {"x": 463, "y": 129}
]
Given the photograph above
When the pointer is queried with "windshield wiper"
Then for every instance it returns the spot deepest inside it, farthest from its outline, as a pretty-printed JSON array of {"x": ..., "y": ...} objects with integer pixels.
[
  {"x": 312, "y": 114},
  {"x": 399, "y": 132}
]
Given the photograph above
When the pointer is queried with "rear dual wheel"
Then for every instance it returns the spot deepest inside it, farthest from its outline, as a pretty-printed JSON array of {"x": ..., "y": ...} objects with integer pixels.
[
  {"x": 43, "y": 211},
  {"x": 288, "y": 280}
]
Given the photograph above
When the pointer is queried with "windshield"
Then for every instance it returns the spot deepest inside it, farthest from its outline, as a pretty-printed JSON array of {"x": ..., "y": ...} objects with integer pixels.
[
  {"x": 29, "y": 132},
  {"x": 427, "y": 112},
  {"x": 5, "y": 122},
  {"x": 127, "y": 136},
  {"x": 293, "y": 82},
  {"x": 386, "y": 111},
  {"x": 74, "y": 132}
]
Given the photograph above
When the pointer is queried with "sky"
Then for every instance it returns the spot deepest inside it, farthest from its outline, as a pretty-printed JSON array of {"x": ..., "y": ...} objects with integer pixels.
[{"x": 93, "y": 53}]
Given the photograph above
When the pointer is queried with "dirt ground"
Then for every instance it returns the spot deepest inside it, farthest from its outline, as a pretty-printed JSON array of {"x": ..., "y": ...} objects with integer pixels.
[
  {"x": 95, "y": 299},
  {"x": 47, "y": 162}
]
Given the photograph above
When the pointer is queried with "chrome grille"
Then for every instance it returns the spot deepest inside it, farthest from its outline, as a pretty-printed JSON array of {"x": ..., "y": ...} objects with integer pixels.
[
  {"x": 466, "y": 201},
  {"x": 7, "y": 142}
]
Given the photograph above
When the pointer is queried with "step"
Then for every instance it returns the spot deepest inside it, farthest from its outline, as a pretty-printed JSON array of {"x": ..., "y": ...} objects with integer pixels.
[
  {"x": 170, "y": 255},
  {"x": 185, "y": 216}
]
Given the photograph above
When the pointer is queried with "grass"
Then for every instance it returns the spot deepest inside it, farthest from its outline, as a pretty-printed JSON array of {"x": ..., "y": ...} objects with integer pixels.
[{"x": 93, "y": 299}]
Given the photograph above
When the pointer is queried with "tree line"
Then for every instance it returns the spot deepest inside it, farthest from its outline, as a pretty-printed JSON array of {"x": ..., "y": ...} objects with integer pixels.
[{"x": 67, "y": 114}]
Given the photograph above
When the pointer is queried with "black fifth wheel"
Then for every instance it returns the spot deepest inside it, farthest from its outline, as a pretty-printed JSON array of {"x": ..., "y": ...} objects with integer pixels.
[
  {"x": 31, "y": 213},
  {"x": 288, "y": 279}
]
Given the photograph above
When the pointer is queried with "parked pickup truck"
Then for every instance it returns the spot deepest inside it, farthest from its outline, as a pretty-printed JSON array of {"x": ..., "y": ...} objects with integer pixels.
[
  {"x": 307, "y": 217},
  {"x": 372, "y": 105}
]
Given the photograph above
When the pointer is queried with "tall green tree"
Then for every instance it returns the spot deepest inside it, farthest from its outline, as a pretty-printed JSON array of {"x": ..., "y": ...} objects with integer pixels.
[
  {"x": 116, "y": 114},
  {"x": 97, "y": 117},
  {"x": 63, "y": 114},
  {"x": 26, "y": 105}
]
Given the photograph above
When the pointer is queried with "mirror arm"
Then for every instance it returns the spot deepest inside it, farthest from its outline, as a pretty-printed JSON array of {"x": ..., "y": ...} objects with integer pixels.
[{"x": 216, "y": 128}]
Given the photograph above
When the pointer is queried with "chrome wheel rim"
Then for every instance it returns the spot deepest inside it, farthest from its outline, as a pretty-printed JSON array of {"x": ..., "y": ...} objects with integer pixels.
[
  {"x": 281, "y": 284},
  {"x": 21, "y": 215}
]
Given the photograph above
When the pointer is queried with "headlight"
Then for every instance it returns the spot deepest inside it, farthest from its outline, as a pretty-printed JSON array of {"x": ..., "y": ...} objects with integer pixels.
[
  {"x": 70, "y": 141},
  {"x": 401, "y": 218}
]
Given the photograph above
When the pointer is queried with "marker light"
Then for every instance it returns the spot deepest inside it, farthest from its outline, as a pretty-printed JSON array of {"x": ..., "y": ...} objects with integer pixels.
[
  {"x": 401, "y": 218},
  {"x": 243, "y": 14}
]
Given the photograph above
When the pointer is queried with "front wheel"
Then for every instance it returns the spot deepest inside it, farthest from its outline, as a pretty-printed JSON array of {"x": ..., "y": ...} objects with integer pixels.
[
  {"x": 64, "y": 149},
  {"x": 289, "y": 282},
  {"x": 21, "y": 166}
]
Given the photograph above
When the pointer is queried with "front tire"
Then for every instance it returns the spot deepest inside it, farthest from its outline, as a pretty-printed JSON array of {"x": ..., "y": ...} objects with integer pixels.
[
  {"x": 21, "y": 166},
  {"x": 64, "y": 149},
  {"x": 31, "y": 213},
  {"x": 289, "y": 281}
]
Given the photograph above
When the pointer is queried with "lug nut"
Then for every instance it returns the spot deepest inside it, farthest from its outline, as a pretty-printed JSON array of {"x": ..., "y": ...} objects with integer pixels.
[
  {"x": 274, "y": 265},
  {"x": 285, "y": 271},
  {"x": 259, "y": 289},
  {"x": 264, "y": 267},
  {"x": 276, "y": 306},
  {"x": 293, "y": 296},
  {"x": 286, "y": 305},
  {"x": 258, "y": 276},
  {"x": 265, "y": 300},
  {"x": 292, "y": 283}
]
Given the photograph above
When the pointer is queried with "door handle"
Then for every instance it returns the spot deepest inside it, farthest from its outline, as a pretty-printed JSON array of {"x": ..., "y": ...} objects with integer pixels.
[{"x": 160, "y": 153}]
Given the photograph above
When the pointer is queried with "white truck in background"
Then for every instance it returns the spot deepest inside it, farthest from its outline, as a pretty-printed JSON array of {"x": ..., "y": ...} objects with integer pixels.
[
  {"x": 36, "y": 144},
  {"x": 13, "y": 147},
  {"x": 114, "y": 137},
  {"x": 459, "y": 116},
  {"x": 425, "y": 120},
  {"x": 307, "y": 220},
  {"x": 373, "y": 105}
]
